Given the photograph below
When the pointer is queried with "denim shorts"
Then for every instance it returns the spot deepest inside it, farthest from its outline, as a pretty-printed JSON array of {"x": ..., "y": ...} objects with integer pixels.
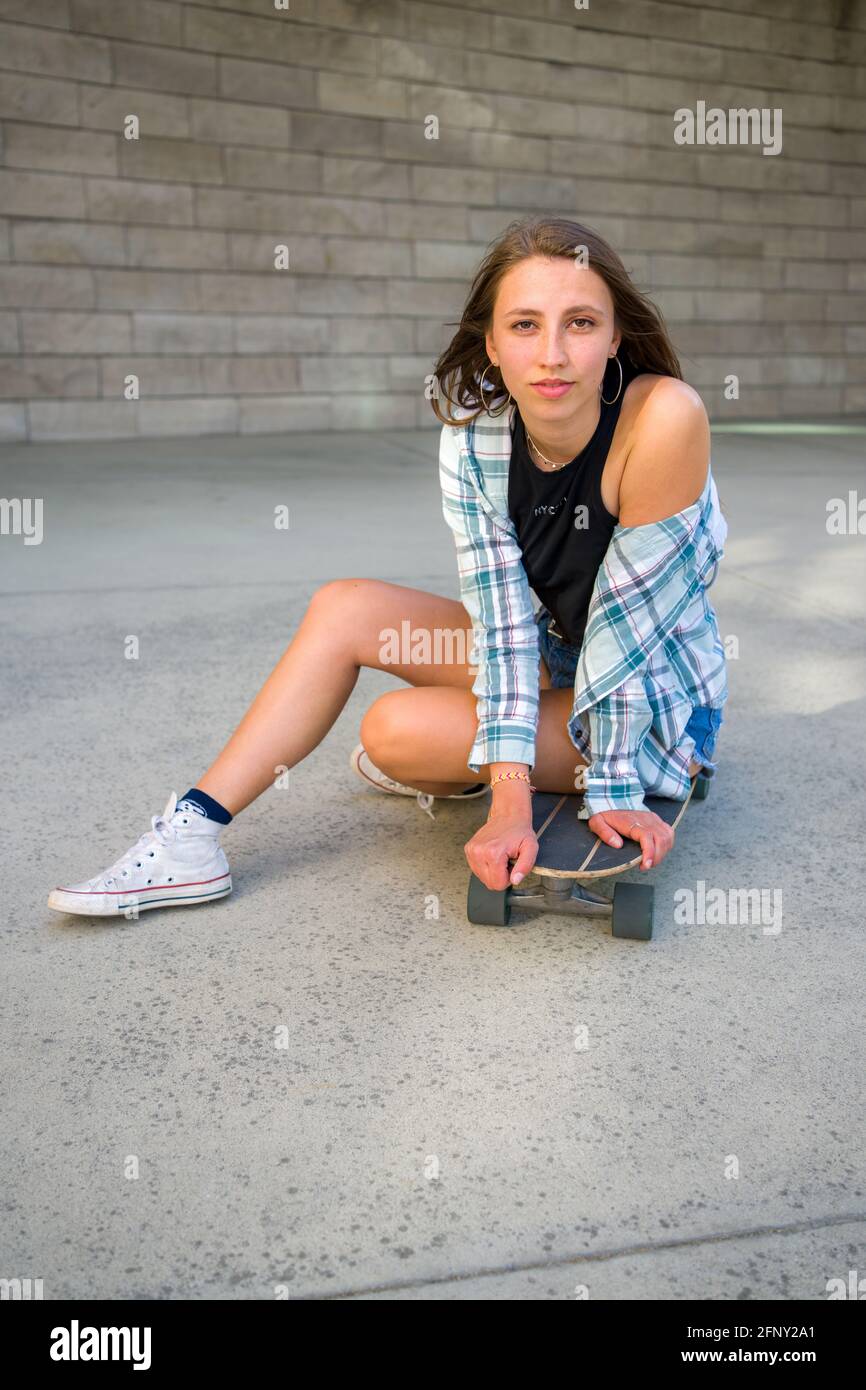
[{"x": 561, "y": 658}]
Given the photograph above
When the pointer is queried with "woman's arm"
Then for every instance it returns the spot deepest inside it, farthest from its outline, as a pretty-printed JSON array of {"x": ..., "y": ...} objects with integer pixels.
[
  {"x": 665, "y": 472},
  {"x": 495, "y": 592},
  {"x": 618, "y": 725}
]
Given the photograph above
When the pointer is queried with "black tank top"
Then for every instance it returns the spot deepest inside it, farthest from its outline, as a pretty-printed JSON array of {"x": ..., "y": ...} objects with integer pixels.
[{"x": 563, "y": 526}]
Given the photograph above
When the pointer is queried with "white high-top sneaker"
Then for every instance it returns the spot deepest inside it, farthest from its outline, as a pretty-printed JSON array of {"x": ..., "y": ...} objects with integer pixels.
[{"x": 179, "y": 860}]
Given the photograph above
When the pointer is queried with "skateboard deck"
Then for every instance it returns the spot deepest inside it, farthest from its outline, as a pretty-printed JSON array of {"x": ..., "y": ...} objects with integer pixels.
[
  {"x": 567, "y": 848},
  {"x": 569, "y": 857}
]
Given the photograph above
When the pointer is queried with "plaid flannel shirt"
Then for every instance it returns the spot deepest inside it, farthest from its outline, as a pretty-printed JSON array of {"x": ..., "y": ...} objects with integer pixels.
[{"x": 651, "y": 651}]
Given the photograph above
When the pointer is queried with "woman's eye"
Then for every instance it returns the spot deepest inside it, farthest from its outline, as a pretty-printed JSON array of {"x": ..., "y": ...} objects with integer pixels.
[{"x": 529, "y": 321}]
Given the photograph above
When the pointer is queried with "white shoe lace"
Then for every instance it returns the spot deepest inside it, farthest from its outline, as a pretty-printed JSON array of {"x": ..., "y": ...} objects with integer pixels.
[
  {"x": 425, "y": 799},
  {"x": 162, "y": 832}
]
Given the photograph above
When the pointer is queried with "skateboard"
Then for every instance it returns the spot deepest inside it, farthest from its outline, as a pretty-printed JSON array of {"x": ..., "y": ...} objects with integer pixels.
[{"x": 571, "y": 861}]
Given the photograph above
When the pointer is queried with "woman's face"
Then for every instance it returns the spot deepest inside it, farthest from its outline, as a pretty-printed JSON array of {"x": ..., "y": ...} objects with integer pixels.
[{"x": 552, "y": 320}]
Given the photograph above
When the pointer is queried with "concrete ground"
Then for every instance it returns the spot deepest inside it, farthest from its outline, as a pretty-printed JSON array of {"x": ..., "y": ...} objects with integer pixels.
[{"x": 460, "y": 1112}]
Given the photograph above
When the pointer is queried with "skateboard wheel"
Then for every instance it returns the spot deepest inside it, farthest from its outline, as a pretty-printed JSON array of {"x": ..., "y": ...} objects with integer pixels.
[
  {"x": 487, "y": 907},
  {"x": 633, "y": 911},
  {"x": 702, "y": 788}
]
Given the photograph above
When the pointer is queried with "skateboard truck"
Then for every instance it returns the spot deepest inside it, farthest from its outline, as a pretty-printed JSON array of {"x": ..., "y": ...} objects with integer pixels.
[
  {"x": 630, "y": 909},
  {"x": 560, "y": 895}
]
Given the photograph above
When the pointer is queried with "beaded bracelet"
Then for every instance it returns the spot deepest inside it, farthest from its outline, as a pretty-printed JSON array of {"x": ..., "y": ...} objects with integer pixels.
[{"x": 514, "y": 776}]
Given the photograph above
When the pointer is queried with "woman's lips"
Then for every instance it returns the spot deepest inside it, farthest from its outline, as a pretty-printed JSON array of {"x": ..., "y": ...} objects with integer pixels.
[{"x": 552, "y": 392}]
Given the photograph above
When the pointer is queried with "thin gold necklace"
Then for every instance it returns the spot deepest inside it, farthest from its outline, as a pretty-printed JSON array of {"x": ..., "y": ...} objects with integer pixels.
[
  {"x": 541, "y": 455},
  {"x": 550, "y": 461}
]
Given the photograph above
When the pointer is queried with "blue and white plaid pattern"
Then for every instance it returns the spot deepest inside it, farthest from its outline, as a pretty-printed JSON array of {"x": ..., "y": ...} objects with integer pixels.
[{"x": 651, "y": 650}]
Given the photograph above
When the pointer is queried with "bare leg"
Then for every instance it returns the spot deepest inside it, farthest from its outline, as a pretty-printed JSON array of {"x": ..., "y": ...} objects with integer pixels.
[
  {"x": 295, "y": 708},
  {"x": 411, "y": 733},
  {"x": 307, "y": 689}
]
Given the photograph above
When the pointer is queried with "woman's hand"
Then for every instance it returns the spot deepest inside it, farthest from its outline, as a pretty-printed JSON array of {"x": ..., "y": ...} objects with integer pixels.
[
  {"x": 654, "y": 835},
  {"x": 508, "y": 835}
]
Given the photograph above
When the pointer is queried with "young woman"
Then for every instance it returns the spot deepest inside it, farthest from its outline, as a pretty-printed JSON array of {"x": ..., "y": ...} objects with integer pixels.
[{"x": 591, "y": 483}]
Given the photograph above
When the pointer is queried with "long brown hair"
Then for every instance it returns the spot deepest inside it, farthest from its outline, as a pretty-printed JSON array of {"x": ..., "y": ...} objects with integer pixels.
[{"x": 645, "y": 340}]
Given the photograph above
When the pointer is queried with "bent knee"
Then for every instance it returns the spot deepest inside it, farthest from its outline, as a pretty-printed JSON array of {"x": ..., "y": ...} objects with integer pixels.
[
  {"x": 337, "y": 592},
  {"x": 419, "y": 720},
  {"x": 345, "y": 609},
  {"x": 389, "y": 723}
]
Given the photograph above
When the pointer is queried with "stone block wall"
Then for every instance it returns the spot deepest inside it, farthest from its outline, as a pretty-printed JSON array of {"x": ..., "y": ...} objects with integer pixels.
[{"x": 306, "y": 124}]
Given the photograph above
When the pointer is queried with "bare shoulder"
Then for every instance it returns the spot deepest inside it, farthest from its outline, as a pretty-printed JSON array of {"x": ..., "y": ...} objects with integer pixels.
[
  {"x": 668, "y": 452},
  {"x": 650, "y": 399}
]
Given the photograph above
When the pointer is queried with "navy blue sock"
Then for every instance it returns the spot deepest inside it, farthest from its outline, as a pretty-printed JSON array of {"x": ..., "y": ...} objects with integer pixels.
[{"x": 204, "y": 805}]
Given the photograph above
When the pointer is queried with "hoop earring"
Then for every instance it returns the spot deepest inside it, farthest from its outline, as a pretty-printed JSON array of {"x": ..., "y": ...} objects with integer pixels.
[
  {"x": 616, "y": 397},
  {"x": 481, "y": 393}
]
